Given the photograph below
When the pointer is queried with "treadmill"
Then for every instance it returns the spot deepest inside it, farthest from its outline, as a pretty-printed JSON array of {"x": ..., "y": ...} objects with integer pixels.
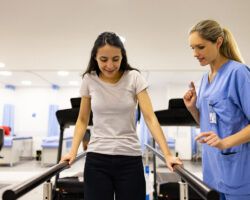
[
  {"x": 176, "y": 115},
  {"x": 68, "y": 188},
  {"x": 71, "y": 188}
]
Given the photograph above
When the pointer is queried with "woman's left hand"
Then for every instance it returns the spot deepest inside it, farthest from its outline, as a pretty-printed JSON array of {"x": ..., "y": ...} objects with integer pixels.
[{"x": 211, "y": 139}]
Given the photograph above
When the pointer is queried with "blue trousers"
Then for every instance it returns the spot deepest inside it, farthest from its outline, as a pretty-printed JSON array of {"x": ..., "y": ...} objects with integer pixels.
[
  {"x": 109, "y": 176},
  {"x": 234, "y": 197}
]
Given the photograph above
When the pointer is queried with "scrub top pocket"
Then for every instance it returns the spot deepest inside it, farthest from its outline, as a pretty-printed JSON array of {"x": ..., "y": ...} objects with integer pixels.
[{"x": 234, "y": 169}]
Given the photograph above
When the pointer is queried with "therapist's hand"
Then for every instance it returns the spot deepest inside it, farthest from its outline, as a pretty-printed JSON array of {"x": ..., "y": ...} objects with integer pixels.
[
  {"x": 211, "y": 139},
  {"x": 190, "y": 97}
]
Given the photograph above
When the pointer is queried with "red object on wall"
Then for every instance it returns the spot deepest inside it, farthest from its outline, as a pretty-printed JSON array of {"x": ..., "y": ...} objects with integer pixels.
[{"x": 6, "y": 129}]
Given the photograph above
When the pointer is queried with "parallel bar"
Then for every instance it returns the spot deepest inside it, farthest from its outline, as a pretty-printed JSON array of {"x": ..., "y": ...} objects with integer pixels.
[
  {"x": 25, "y": 187},
  {"x": 195, "y": 183}
]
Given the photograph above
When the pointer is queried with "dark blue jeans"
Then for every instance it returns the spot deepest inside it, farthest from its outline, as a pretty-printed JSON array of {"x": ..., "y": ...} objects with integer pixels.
[{"x": 109, "y": 176}]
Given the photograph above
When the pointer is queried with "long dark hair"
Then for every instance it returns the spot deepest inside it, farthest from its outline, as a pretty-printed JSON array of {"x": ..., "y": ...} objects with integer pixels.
[{"x": 111, "y": 39}]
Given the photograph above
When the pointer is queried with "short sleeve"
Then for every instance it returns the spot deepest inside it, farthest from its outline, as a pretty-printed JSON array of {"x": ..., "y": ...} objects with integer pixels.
[
  {"x": 140, "y": 82},
  {"x": 84, "y": 89},
  {"x": 240, "y": 91}
]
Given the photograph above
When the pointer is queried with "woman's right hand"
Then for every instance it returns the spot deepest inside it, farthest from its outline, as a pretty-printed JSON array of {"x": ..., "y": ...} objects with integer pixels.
[
  {"x": 190, "y": 97},
  {"x": 69, "y": 157}
]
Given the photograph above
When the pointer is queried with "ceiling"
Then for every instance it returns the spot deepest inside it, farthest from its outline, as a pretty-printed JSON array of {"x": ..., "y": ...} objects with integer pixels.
[{"x": 38, "y": 38}]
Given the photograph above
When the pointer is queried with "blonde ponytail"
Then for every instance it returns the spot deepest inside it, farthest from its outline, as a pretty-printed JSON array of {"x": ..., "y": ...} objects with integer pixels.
[{"x": 229, "y": 47}]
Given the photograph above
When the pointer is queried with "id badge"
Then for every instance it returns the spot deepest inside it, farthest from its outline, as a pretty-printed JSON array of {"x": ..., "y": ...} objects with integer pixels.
[{"x": 212, "y": 115}]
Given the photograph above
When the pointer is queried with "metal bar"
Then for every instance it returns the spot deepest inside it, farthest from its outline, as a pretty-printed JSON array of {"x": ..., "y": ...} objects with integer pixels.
[
  {"x": 59, "y": 151},
  {"x": 47, "y": 191},
  {"x": 195, "y": 183},
  {"x": 183, "y": 186},
  {"x": 155, "y": 197},
  {"x": 26, "y": 186}
]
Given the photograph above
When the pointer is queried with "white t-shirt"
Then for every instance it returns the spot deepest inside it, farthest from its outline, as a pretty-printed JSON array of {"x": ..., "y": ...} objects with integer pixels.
[{"x": 113, "y": 107}]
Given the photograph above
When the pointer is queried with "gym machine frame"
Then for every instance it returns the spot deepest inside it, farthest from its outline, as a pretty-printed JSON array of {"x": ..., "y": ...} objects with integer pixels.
[{"x": 187, "y": 178}]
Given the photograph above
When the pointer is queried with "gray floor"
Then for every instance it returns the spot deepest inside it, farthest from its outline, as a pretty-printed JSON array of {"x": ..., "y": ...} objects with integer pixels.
[{"x": 31, "y": 168}]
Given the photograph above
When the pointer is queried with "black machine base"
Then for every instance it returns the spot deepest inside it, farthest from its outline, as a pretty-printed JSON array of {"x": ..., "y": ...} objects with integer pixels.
[
  {"x": 69, "y": 188},
  {"x": 171, "y": 191}
]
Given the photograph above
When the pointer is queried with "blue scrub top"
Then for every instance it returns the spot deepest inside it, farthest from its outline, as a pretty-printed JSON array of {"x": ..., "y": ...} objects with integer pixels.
[{"x": 227, "y": 100}]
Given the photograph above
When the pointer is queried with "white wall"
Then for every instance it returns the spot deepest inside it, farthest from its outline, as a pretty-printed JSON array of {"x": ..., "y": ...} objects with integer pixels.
[{"x": 159, "y": 96}]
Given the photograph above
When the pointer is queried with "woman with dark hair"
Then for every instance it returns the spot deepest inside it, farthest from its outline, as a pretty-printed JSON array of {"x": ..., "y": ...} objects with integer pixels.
[
  {"x": 222, "y": 108},
  {"x": 113, "y": 40},
  {"x": 111, "y": 88}
]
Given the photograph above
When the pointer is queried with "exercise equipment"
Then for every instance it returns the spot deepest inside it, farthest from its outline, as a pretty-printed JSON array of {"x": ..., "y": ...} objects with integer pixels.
[
  {"x": 176, "y": 114},
  {"x": 188, "y": 181},
  {"x": 68, "y": 187}
]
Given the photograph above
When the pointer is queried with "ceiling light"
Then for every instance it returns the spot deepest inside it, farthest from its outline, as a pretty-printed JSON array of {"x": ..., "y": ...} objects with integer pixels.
[
  {"x": 26, "y": 82},
  {"x": 63, "y": 73}
]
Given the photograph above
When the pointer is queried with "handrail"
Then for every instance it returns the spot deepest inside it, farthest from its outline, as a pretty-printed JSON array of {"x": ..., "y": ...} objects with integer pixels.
[
  {"x": 22, "y": 188},
  {"x": 195, "y": 183}
]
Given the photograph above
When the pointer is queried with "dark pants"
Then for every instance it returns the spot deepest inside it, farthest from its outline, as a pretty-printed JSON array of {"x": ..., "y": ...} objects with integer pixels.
[{"x": 109, "y": 176}]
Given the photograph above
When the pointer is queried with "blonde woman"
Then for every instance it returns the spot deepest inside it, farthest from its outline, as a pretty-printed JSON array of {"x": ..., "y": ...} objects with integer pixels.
[{"x": 222, "y": 108}]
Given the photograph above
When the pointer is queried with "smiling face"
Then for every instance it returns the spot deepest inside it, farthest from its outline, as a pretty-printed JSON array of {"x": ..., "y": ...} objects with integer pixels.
[
  {"x": 204, "y": 50},
  {"x": 109, "y": 61}
]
